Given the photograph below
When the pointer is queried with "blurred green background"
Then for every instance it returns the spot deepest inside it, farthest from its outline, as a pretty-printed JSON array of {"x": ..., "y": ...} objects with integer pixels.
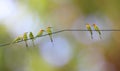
[{"x": 72, "y": 51}]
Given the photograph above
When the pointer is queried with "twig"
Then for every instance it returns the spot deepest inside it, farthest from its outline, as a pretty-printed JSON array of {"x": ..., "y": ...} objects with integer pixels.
[{"x": 65, "y": 30}]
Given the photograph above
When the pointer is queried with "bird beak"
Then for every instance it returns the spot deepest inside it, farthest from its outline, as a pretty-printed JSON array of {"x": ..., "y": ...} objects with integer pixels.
[{"x": 94, "y": 24}]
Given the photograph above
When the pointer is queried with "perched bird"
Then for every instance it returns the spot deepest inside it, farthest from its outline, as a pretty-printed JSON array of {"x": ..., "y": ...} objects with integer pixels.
[
  {"x": 31, "y": 36},
  {"x": 19, "y": 38},
  {"x": 97, "y": 30},
  {"x": 25, "y": 38},
  {"x": 49, "y": 31},
  {"x": 40, "y": 33},
  {"x": 89, "y": 29},
  {"x": 16, "y": 40}
]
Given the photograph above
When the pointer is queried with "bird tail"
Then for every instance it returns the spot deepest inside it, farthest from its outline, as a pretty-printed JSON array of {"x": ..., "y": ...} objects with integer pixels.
[
  {"x": 26, "y": 44},
  {"x": 33, "y": 42},
  {"x": 91, "y": 36},
  {"x": 51, "y": 39},
  {"x": 100, "y": 36}
]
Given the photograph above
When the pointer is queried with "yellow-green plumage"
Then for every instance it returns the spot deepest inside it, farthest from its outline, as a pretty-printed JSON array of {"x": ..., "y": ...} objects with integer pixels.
[
  {"x": 40, "y": 33},
  {"x": 89, "y": 29},
  {"x": 19, "y": 38},
  {"x": 48, "y": 30},
  {"x": 31, "y": 36},
  {"x": 25, "y": 38},
  {"x": 97, "y": 30}
]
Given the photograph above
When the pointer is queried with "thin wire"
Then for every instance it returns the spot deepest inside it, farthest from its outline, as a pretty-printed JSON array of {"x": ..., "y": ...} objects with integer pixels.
[{"x": 65, "y": 30}]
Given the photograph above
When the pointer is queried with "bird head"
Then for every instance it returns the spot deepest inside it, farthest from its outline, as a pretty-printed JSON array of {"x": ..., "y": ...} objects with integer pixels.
[
  {"x": 94, "y": 24},
  {"x": 26, "y": 32},
  {"x": 87, "y": 25},
  {"x": 49, "y": 27},
  {"x": 42, "y": 30}
]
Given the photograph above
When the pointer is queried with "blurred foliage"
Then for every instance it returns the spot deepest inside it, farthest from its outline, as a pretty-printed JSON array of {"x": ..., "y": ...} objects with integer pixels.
[
  {"x": 43, "y": 7},
  {"x": 109, "y": 7},
  {"x": 4, "y": 35},
  {"x": 19, "y": 58}
]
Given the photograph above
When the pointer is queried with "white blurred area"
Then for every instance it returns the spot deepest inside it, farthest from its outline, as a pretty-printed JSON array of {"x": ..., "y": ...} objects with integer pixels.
[
  {"x": 85, "y": 37},
  {"x": 18, "y": 18},
  {"x": 58, "y": 54},
  {"x": 91, "y": 59}
]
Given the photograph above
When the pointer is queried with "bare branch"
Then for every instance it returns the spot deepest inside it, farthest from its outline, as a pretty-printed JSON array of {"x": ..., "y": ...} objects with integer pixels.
[{"x": 65, "y": 30}]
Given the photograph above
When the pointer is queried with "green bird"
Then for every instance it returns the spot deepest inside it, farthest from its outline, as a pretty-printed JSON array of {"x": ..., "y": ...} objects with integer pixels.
[
  {"x": 89, "y": 29},
  {"x": 31, "y": 36},
  {"x": 25, "y": 38},
  {"x": 40, "y": 33},
  {"x": 49, "y": 31},
  {"x": 16, "y": 40},
  {"x": 97, "y": 30}
]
